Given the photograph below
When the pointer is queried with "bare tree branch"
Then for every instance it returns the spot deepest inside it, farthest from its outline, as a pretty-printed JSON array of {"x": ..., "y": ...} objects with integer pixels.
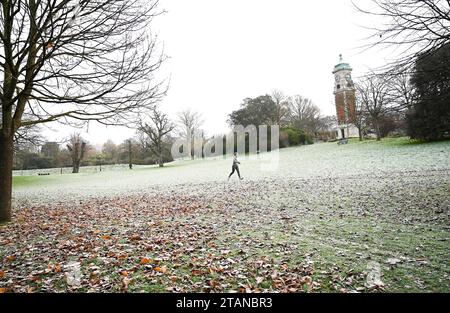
[{"x": 415, "y": 27}]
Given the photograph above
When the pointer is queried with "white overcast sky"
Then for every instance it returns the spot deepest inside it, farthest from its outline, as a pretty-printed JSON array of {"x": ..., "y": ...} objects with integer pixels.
[{"x": 222, "y": 51}]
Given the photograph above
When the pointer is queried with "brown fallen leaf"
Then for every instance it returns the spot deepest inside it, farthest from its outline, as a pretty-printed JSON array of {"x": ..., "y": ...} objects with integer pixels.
[
  {"x": 3, "y": 290},
  {"x": 197, "y": 272},
  {"x": 105, "y": 237},
  {"x": 307, "y": 280},
  {"x": 145, "y": 261},
  {"x": 2, "y": 274},
  {"x": 213, "y": 284},
  {"x": 125, "y": 282},
  {"x": 135, "y": 238},
  {"x": 11, "y": 258},
  {"x": 122, "y": 256},
  {"x": 162, "y": 269}
]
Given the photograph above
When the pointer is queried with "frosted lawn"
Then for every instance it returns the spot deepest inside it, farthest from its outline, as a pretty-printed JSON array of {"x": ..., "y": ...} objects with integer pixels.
[
  {"x": 316, "y": 161},
  {"x": 323, "y": 221}
]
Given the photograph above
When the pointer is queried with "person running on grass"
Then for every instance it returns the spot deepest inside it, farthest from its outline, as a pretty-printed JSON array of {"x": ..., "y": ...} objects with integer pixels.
[{"x": 235, "y": 167}]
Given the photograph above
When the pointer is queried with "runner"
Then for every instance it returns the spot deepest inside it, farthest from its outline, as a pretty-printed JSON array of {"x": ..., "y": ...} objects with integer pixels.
[{"x": 235, "y": 167}]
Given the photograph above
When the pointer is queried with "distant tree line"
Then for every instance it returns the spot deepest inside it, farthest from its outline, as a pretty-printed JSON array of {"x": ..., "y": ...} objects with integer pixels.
[
  {"x": 299, "y": 119},
  {"x": 78, "y": 153}
]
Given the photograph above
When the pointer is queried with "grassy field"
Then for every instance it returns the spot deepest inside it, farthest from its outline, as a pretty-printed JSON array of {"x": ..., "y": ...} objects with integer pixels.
[{"x": 322, "y": 221}]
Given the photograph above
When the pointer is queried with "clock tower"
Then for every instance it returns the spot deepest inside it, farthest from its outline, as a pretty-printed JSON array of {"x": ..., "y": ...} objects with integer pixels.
[{"x": 345, "y": 99}]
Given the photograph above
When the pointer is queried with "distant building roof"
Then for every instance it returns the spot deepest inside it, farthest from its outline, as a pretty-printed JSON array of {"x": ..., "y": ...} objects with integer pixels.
[{"x": 342, "y": 65}]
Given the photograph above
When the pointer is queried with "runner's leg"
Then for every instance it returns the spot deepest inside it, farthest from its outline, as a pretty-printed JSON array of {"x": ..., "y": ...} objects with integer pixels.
[
  {"x": 239, "y": 174},
  {"x": 232, "y": 172}
]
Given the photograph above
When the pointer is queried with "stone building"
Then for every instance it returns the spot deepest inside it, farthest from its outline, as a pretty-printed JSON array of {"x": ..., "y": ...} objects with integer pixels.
[{"x": 345, "y": 99}]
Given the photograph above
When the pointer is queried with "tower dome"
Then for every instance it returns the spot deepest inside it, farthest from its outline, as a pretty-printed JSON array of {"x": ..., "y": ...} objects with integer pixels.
[{"x": 342, "y": 66}]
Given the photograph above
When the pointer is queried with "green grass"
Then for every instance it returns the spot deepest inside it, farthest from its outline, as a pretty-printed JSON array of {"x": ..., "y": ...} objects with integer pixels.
[
  {"x": 25, "y": 181},
  {"x": 397, "y": 141}
]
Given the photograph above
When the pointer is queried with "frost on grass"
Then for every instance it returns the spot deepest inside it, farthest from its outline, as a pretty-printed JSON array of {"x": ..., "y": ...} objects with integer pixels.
[{"x": 313, "y": 225}]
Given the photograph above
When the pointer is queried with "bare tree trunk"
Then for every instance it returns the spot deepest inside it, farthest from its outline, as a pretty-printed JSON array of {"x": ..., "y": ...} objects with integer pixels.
[
  {"x": 6, "y": 165},
  {"x": 377, "y": 130},
  {"x": 130, "y": 163},
  {"x": 360, "y": 134},
  {"x": 192, "y": 148},
  {"x": 77, "y": 149},
  {"x": 76, "y": 168}
]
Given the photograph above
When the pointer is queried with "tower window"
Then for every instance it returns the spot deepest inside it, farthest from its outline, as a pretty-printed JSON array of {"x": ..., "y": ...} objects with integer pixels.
[{"x": 338, "y": 86}]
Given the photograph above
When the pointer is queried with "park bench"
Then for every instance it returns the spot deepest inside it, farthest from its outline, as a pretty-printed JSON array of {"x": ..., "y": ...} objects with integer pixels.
[
  {"x": 44, "y": 174},
  {"x": 343, "y": 141}
]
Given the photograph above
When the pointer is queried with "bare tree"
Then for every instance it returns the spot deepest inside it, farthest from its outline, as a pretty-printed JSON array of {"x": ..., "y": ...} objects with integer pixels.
[
  {"x": 304, "y": 114},
  {"x": 73, "y": 60},
  {"x": 189, "y": 123},
  {"x": 373, "y": 92},
  {"x": 77, "y": 148},
  {"x": 360, "y": 118},
  {"x": 156, "y": 132},
  {"x": 282, "y": 106},
  {"x": 110, "y": 151},
  {"x": 402, "y": 92},
  {"x": 413, "y": 26}
]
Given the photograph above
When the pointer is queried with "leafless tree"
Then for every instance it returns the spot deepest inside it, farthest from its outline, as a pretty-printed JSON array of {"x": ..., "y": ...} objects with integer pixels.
[
  {"x": 304, "y": 114},
  {"x": 413, "y": 26},
  {"x": 373, "y": 93},
  {"x": 402, "y": 92},
  {"x": 189, "y": 123},
  {"x": 282, "y": 106},
  {"x": 73, "y": 60},
  {"x": 156, "y": 131},
  {"x": 360, "y": 118},
  {"x": 110, "y": 151},
  {"x": 77, "y": 148}
]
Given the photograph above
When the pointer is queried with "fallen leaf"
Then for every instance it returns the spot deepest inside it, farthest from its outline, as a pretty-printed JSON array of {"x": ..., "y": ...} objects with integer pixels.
[
  {"x": 125, "y": 282},
  {"x": 161, "y": 269},
  {"x": 11, "y": 258},
  {"x": 145, "y": 261}
]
